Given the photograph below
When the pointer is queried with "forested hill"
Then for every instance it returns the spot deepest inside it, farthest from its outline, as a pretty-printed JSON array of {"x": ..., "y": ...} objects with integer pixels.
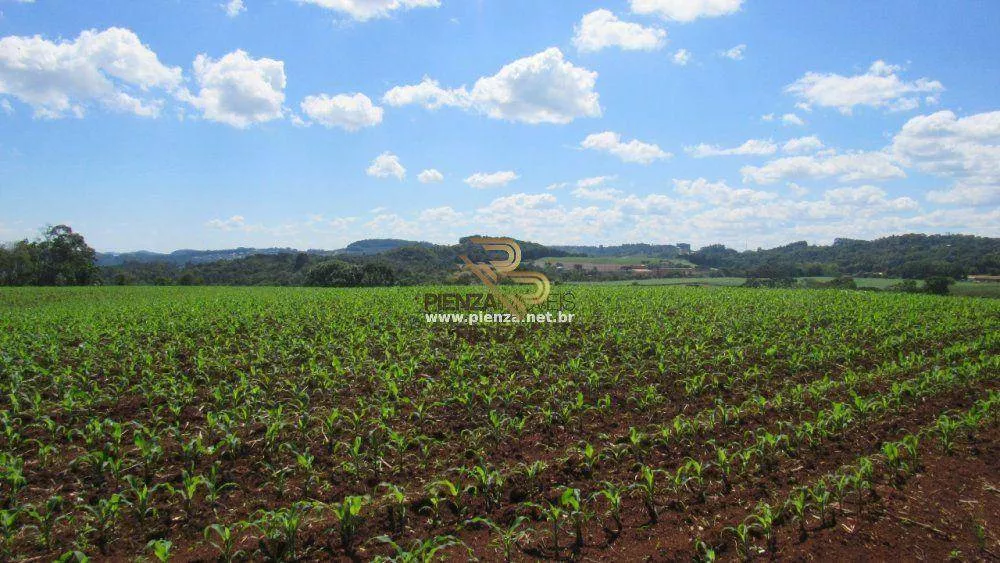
[
  {"x": 907, "y": 256},
  {"x": 62, "y": 257},
  {"x": 369, "y": 262}
]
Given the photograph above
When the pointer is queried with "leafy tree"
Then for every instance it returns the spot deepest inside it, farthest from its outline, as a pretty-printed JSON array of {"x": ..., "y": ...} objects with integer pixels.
[
  {"x": 60, "y": 257},
  {"x": 334, "y": 273},
  {"x": 938, "y": 285}
]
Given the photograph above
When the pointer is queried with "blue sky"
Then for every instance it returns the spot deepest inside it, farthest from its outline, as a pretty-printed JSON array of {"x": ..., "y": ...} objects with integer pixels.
[{"x": 312, "y": 123}]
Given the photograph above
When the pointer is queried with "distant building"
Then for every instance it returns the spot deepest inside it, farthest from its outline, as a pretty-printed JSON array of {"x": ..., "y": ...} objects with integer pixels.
[
  {"x": 982, "y": 278},
  {"x": 683, "y": 248}
]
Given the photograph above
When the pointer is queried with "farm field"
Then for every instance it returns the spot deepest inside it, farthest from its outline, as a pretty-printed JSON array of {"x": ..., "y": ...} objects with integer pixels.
[
  {"x": 961, "y": 288},
  {"x": 590, "y": 261},
  {"x": 668, "y": 423}
]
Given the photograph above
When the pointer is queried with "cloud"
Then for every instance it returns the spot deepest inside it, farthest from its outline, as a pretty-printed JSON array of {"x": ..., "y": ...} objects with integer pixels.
[
  {"x": 966, "y": 150},
  {"x": 364, "y": 10},
  {"x": 386, "y": 165},
  {"x": 234, "y": 8},
  {"x": 542, "y": 88},
  {"x": 593, "y": 182},
  {"x": 736, "y": 53},
  {"x": 797, "y": 190},
  {"x": 685, "y": 10},
  {"x": 6, "y": 107},
  {"x": 718, "y": 193},
  {"x": 444, "y": 214},
  {"x": 597, "y": 194},
  {"x": 681, "y": 57},
  {"x": 633, "y": 151},
  {"x": 430, "y": 176},
  {"x": 752, "y": 147},
  {"x": 236, "y": 222},
  {"x": 481, "y": 180},
  {"x": 879, "y": 87},
  {"x": 350, "y": 112},
  {"x": 848, "y": 167},
  {"x": 601, "y": 29},
  {"x": 111, "y": 68},
  {"x": 239, "y": 90},
  {"x": 802, "y": 144},
  {"x": 869, "y": 199},
  {"x": 428, "y": 94},
  {"x": 791, "y": 119}
]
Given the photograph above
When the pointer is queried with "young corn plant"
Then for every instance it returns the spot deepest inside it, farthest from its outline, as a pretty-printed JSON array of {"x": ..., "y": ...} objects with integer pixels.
[
  {"x": 552, "y": 513},
  {"x": 8, "y": 529},
  {"x": 444, "y": 494},
  {"x": 187, "y": 492},
  {"x": 223, "y": 538},
  {"x": 279, "y": 531},
  {"x": 104, "y": 516},
  {"x": 576, "y": 510},
  {"x": 647, "y": 490},
  {"x": 419, "y": 551},
  {"x": 742, "y": 535},
  {"x": 532, "y": 474},
  {"x": 46, "y": 519},
  {"x": 763, "y": 520},
  {"x": 487, "y": 483},
  {"x": 160, "y": 549},
  {"x": 613, "y": 497},
  {"x": 349, "y": 519},
  {"x": 946, "y": 429},
  {"x": 797, "y": 507},
  {"x": 394, "y": 499},
  {"x": 506, "y": 539}
]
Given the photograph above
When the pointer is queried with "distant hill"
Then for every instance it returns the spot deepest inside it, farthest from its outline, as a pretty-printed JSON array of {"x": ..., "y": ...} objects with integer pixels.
[
  {"x": 181, "y": 257},
  {"x": 635, "y": 249},
  {"x": 411, "y": 262},
  {"x": 377, "y": 246},
  {"x": 907, "y": 256}
]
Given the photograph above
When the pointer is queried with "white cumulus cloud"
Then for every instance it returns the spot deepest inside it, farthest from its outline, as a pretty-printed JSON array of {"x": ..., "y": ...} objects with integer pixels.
[
  {"x": 601, "y": 29},
  {"x": 430, "y": 176},
  {"x": 681, "y": 57},
  {"x": 802, "y": 145},
  {"x": 482, "y": 180},
  {"x": 879, "y": 87},
  {"x": 364, "y": 10},
  {"x": 350, "y": 112},
  {"x": 966, "y": 150},
  {"x": 752, "y": 147},
  {"x": 239, "y": 90},
  {"x": 736, "y": 53},
  {"x": 632, "y": 151},
  {"x": 111, "y": 68},
  {"x": 234, "y": 8},
  {"x": 686, "y": 10},
  {"x": 386, "y": 165},
  {"x": 848, "y": 167},
  {"x": 542, "y": 88},
  {"x": 790, "y": 119},
  {"x": 597, "y": 194}
]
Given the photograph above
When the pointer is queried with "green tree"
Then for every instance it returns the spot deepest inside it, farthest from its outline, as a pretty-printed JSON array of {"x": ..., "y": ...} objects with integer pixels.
[
  {"x": 66, "y": 258},
  {"x": 938, "y": 285},
  {"x": 60, "y": 257},
  {"x": 334, "y": 273}
]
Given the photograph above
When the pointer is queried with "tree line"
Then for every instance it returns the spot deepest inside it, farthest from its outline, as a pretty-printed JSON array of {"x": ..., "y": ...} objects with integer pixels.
[
  {"x": 59, "y": 257},
  {"x": 62, "y": 257}
]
